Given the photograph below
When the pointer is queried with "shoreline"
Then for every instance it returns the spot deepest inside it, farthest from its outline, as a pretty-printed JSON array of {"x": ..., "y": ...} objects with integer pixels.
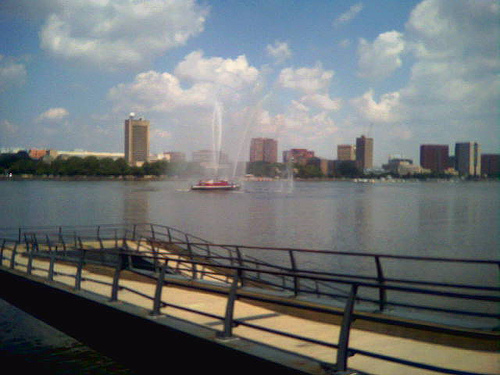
[{"x": 367, "y": 180}]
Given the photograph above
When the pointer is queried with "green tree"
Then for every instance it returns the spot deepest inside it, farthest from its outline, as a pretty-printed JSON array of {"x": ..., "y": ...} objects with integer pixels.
[
  {"x": 21, "y": 166},
  {"x": 107, "y": 167},
  {"x": 309, "y": 171},
  {"x": 122, "y": 167},
  {"x": 264, "y": 169},
  {"x": 157, "y": 168},
  {"x": 90, "y": 166}
]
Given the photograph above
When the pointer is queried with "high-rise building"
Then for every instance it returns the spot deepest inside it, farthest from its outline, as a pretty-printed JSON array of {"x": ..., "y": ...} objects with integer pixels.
[
  {"x": 468, "y": 159},
  {"x": 136, "y": 140},
  {"x": 346, "y": 152},
  {"x": 434, "y": 157},
  {"x": 364, "y": 153},
  {"x": 490, "y": 164},
  {"x": 264, "y": 149}
]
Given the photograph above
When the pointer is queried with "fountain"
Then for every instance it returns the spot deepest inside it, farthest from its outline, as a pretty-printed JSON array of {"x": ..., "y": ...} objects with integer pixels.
[{"x": 216, "y": 183}]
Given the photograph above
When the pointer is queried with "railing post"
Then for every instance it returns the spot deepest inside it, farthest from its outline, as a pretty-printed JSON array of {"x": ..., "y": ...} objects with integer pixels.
[
  {"x": 101, "y": 244},
  {"x": 13, "y": 258},
  {"x": 169, "y": 234},
  {"x": 345, "y": 330},
  {"x": 61, "y": 240},
  {"x": 78, "y": 276},
  {"x": 48, "y": 242},
  {"x": 1, "y": 252},
  {"x": 191, "y": 255},
  {"x": 382, "y": 295},
  {"x": 159, "y": 288},
  {"x": 51, "y": 265},
  {"x": 35, "y": 242},
  {"x": 116, "y": 279},
  {"x": 296, "y": 281},
  {"x": 29, "y": 267},
  {"x": 240, "y": 264},
  {"x": 153, "y": 231},
  {"x": 228, "y": 318},
  {"x": 155, "y": 254}
]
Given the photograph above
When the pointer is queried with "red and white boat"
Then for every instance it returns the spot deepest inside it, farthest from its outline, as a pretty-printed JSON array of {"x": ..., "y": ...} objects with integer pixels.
[{"x": 215, "y": 185}]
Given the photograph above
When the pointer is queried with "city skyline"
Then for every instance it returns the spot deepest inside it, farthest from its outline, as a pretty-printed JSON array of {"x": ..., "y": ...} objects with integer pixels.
[{"x": 313, "y": 76}]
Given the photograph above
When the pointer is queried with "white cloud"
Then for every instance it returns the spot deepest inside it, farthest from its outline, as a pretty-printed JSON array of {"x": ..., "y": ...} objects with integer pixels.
[
  {"x": 157, "y": 92},
  {"x": 386, "y": 110},
  {"x": 455, "y": 76},
  {"x": 307, "y": 80},
  {"x": 379, "y": 59},
  {"x": 53, "y": 114},
  {"x": 234, "y": 73},
  {"x": 279, "y": 51},
  {"x": 12, "y": 73},
  {"x": 453, "y": 88},
  {"x": 322, "y": 101},
  {"x": 298, "y": 126},
  {"x": 119, "y": 33},
  {"x": 349, "y": 15},
  {"x": 211, "y": 79}
]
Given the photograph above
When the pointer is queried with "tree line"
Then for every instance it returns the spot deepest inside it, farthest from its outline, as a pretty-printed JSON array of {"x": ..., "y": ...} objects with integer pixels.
[{"x": 21, "y": 163}]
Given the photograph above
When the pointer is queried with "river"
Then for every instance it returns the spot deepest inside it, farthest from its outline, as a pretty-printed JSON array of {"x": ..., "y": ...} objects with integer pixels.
[{"x": 448, "y": 219}]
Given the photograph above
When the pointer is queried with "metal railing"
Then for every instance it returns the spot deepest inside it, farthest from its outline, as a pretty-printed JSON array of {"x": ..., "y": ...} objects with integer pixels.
[
  {"x": 197, "y": 259},
  {"x": 260, "y": 264}
]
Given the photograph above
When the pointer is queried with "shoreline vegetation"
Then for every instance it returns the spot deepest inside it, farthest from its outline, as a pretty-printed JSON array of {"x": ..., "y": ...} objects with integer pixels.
[{"x": 21, "y": 167}]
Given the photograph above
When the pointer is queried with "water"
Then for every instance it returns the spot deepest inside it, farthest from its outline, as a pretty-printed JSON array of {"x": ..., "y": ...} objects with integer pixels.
[{"x": 427, "y": 219}]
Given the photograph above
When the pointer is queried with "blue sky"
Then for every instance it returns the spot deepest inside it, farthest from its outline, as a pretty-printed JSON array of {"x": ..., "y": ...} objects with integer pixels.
[{"x": 313, "y": 74}]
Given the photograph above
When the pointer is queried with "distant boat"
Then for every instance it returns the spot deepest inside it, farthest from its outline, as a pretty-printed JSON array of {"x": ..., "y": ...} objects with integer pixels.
[{"x": 215, "y": 185}]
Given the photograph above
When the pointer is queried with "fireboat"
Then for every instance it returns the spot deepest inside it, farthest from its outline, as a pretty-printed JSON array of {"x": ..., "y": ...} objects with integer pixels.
[{"x": 215, "y": 185}]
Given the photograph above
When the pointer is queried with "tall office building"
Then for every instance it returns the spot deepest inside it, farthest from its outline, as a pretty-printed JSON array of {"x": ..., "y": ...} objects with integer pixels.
[
  {"x": 346, "y": 152},
  {"x": 264, "y": 149},
  {"x": 434, "y": 157},
  {"x": 364, "y": 153},
  {"x": 136, "y": 140},
  {"x": 468, "y": 159}
]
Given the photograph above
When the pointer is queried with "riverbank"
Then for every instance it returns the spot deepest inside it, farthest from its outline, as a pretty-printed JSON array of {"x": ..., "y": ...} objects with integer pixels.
[
  {"x": 32, "y": 177},
  {"x": 29, "y": 177}
]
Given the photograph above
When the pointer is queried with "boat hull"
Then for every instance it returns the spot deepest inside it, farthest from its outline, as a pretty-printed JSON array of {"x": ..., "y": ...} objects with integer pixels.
[
  {"x": 215, "y": 185},
  {"x": 215, "y": 188}
]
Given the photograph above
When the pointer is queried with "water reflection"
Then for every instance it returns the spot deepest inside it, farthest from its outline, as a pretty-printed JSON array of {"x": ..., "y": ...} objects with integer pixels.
[{"x": 136, "y": 204}]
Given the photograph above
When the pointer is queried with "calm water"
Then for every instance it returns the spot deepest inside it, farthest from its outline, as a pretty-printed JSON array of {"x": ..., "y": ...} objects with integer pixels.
[{"x": 432, "y": 219}]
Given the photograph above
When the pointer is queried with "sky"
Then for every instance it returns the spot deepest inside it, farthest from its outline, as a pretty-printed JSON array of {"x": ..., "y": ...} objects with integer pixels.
[{"x": 311, "y": 74}]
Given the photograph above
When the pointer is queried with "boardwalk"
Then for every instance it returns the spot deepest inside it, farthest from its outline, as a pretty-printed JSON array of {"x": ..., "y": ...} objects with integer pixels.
[{"x": 258, "y": 311}]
